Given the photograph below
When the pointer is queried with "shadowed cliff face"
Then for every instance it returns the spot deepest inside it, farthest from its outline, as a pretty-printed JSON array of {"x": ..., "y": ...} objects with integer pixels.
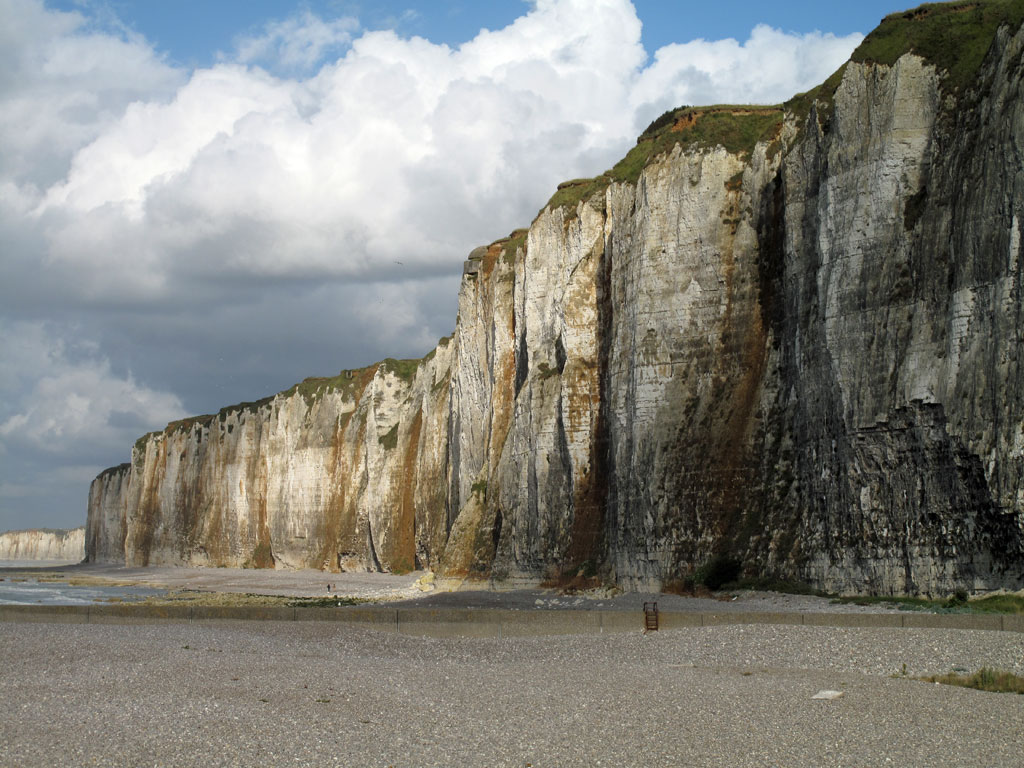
[{"x": 797, "y": 347}]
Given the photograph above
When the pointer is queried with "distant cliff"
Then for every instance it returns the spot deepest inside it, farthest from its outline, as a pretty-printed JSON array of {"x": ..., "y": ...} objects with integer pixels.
[
  {"x": 788, "y": 336},
  {"x": 43, "y": 544}
]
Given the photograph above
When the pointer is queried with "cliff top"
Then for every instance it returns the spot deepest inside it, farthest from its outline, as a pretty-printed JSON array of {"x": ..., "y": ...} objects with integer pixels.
[
  {"x": 349, "y": 382},
  {"x": 736, "y": 127},
  {"x": 954, "y": 36}
]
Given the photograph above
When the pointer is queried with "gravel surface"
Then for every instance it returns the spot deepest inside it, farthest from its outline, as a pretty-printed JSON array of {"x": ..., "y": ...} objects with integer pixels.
[{"x": 281, "y": 693}]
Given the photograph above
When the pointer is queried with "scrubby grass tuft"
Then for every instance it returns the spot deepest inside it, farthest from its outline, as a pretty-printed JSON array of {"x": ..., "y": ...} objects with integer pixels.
[
  {"x": 514, "y": 242},
  {"x": 314, "y": 388},
  {"x": 823, "y": 96},
  {"x": 480, "y": 487},
  {"x": 985, "y": 679},
  {"x": 998, "y": 604},
  {"x": 403, "y": 369},
  {"x": 324, "y": 602}
]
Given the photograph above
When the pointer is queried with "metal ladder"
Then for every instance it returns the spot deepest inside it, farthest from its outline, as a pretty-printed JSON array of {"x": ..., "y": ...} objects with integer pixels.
[{"x": 650, "y": 617}]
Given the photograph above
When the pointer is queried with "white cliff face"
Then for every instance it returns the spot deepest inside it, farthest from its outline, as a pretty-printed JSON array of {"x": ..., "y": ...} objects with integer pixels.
[
  {"x": 802, "y": 354},
  {"x": 903, "y": 303},
  {"x": 337, "y": 473},
  {"x": 43, "y": 544}
]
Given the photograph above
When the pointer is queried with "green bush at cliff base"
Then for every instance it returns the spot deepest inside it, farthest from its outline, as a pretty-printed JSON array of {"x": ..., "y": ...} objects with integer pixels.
[
  {"x": 998, "y": 604},
  {"x": 985, "y": 679},
  {"x": 954, "y": 36}
]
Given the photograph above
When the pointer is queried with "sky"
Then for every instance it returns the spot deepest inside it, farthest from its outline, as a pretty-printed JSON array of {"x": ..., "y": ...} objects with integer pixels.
[{"x": 202, "y": 203}]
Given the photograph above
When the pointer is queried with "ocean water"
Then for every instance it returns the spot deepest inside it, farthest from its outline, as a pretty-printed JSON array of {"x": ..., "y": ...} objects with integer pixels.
[{"x": 19, "y": 588}]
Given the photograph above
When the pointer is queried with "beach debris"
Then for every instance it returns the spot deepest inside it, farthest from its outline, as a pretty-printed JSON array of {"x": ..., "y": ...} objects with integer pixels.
[
  {"x": 827, "y": 695},
  {"x": 425, "y": 583}
]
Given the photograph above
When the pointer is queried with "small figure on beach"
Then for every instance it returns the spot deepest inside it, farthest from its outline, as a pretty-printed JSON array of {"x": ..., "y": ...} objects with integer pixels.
[{"x": 328, "y": 587}]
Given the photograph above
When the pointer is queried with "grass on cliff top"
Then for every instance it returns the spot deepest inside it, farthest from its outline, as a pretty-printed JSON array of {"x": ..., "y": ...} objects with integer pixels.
[
  {"x": 347, "y": 382},
  {"x": 737, "y": 128},
  {"x": 444, "y": 341},
  {"x": 823, "y": 95},
  {"x": 403, "y": 369},
  {"x": 511, "y": 244},
  {"x": 954, "y": 36},
  {"x": 315, "y": 387},
  {"x": 312, "y": 390}
]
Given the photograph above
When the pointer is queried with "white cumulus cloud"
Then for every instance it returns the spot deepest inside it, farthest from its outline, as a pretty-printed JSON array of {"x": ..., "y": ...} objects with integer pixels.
[
  {"x": 768, "y": 68},
  {"x": 68, "y": 394},
  {"x": 62, "y": 84},
  {"x": 226, "y": 231},
  {"x": 298, "y": 42}
]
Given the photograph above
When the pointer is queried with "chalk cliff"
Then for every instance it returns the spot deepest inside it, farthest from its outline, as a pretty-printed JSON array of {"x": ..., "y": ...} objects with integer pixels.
[
  {"x": 43, "y": 544},
  {"x": 789, "y": 335}
]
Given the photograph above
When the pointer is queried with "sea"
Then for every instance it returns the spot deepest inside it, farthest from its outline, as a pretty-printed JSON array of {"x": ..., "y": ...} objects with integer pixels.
[{"x": 19, "y": 587}]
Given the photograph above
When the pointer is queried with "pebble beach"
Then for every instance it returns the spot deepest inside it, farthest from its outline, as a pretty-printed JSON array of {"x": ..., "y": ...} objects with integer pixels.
[{"x": 237, "y": 693}]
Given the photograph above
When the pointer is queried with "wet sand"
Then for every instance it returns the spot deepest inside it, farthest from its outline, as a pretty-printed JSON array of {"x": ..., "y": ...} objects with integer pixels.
[{"x": 235, "y": 586}]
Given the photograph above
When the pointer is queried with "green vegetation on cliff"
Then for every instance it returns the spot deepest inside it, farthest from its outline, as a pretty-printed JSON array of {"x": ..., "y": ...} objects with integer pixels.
[
  {"x": 736, "y": 128},
  {"x": 513, "y": 243},
  {"x": 314, "y": 388},
  {"x": 389, "y": 441},
  {"x": 954, "y": 36},
  {"x": 350, "y": 383},
  {"x": 403, "y": 369},
  {"x": 823, "y": 95}
]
